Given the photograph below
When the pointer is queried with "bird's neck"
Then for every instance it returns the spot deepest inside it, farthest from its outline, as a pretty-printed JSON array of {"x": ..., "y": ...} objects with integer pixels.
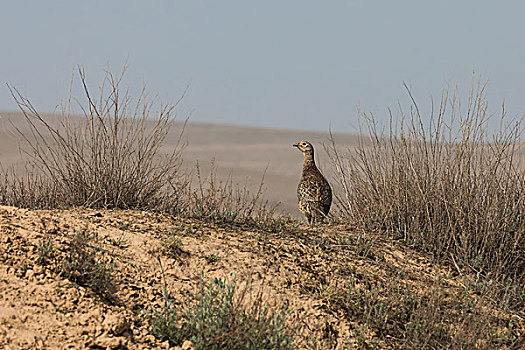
[{"x": 309, "y": 162}]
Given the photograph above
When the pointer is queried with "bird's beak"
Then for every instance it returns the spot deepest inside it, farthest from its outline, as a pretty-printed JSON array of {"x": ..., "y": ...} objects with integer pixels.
[{"x": 296, "y": 145}]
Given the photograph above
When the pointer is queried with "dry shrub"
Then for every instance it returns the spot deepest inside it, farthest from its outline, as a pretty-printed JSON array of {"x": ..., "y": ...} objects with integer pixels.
[
  {"x": 395, "y": 314},
  {"x": 443, "y": 183},
  {"x": 108, "y": 156},
  {"x": 223, "y": 201},
  {"x": 32, "y": 189}
]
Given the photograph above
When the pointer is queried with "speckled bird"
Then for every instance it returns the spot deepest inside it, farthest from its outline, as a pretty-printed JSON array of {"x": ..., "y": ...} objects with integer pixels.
[{"x": 313, "y": 193}]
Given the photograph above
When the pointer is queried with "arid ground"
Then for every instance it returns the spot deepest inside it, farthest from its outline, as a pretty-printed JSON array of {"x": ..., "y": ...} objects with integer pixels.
[
  {"x": 86, "y": 278},
  {"x": 311, "y": 270}
]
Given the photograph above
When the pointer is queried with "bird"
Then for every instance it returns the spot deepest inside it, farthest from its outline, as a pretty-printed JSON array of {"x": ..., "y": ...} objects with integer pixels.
[{"x": 314, "y": 193}]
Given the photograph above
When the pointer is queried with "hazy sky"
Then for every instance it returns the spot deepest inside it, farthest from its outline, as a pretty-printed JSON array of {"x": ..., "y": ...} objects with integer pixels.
[{"x": 294, "y": 64}]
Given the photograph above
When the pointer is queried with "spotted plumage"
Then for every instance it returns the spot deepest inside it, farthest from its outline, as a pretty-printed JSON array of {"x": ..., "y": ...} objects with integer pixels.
[{"x": 313, "y": 193}]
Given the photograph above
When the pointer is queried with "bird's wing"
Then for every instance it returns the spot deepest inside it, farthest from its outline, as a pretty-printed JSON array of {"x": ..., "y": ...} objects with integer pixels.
[{"x": 311, "y": 192}]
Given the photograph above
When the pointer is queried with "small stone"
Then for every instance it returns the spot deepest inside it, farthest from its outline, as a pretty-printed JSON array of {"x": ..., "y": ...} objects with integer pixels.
[
  {"x": 150, "y": 338},
  {"x": 99, "y": 329},
  {"x": 107, "y": 342},
  {"x": 187, "y": 345},
  {"x": 116, "y": 324}
]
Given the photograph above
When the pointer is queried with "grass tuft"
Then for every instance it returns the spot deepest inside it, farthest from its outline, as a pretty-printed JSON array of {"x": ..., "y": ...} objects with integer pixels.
[
  {"x": 85, "y": 266},
  {"x": 44, "y": 251},
  {"x": 223, "y": 318}
]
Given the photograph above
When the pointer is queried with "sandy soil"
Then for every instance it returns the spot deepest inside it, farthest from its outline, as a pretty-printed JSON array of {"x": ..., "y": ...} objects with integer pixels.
[{"x": 41, "y": 309}]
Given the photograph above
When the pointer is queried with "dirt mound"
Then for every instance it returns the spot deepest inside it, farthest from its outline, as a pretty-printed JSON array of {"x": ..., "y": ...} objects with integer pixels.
[{"x": 333, "y": 278}]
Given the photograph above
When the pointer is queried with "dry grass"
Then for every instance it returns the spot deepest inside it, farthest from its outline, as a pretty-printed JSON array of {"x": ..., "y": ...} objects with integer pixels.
[
  {"x": 227, "y": 202},
  {"x": 394, "y": 314},
  {"x": 444, "y": 184},
  {"x": 108, "y": 157},
  {"x": 31, "y": 190}
]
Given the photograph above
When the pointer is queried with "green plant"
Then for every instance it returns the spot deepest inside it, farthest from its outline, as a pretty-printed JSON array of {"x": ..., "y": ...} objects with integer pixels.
[
  {"x": 212, "y": 258},
  {"x": 173, "y": 247},
  {"x": 360, "y": 242},
  {"x": 223, "y": 318},
  {"x": 85, "y": 266},
  {"x": 44, "y": 251},
  {"x": 165, "y": 322}
]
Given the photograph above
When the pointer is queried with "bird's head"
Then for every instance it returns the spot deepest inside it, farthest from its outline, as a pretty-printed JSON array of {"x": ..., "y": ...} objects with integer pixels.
[{"x": 305, "y": 147}]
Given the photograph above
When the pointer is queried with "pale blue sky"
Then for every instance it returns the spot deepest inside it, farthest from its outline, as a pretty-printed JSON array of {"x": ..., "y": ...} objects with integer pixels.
[{"x": 293, "y": 64}]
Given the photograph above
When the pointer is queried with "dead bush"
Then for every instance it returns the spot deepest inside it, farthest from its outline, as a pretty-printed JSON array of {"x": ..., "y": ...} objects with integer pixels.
[
  {"x": 444, "y": 183},
  {"x": 106, "y": 156}
]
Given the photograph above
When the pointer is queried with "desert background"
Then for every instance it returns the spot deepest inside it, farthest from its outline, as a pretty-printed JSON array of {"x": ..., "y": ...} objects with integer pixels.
[
  {"x": 108, "y": 240},
  {"x": 243, "y": 152},
  {"x": 81, "y": 277}
]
